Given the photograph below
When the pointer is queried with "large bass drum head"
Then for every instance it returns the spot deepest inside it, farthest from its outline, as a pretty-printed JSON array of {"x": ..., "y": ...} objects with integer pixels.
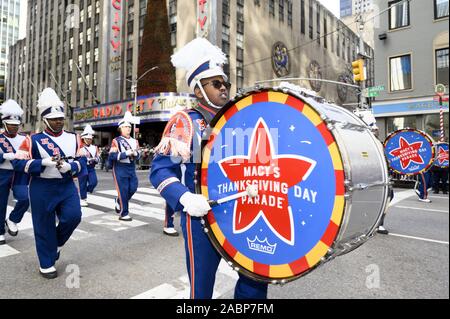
[{"x": 281, "y": 144}]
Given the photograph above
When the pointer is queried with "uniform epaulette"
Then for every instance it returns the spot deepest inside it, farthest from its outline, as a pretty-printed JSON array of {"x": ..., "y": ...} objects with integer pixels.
[{"x": 177, "y": 136}]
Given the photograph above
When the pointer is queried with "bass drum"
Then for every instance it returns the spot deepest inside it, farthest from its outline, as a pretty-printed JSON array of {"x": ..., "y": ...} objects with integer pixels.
[{"x": 321, "y": 175}]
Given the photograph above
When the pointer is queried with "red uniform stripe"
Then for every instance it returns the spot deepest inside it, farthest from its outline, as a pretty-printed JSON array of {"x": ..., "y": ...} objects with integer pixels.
[{"x": 191, "y": 254}]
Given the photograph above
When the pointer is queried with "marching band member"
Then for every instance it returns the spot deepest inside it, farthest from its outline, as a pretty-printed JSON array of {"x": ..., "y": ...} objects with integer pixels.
[
  {"x": 88, "y": 182},
  {"x": 124, "y": 155},
  {"x": 174, "y": 167},
  {"x": 52, "y": 166},
  {"x": 10, "y": 141}
]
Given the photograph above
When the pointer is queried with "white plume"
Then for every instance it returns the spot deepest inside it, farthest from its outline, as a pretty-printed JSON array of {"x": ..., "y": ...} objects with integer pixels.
[
  {"x": 11, "y": 108},
  {"x": 197, "y": 51},
  {"x": 48, "y": 98}
]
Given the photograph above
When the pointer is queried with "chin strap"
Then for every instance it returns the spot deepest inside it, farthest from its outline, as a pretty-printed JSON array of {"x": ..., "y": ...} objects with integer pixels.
[
  {"x": 205, "y": 96},
  {"x": 49, "y": 126}
]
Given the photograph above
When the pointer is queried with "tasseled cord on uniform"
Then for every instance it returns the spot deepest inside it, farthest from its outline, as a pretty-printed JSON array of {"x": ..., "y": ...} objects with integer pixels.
[{"x": 173, "y": 147}]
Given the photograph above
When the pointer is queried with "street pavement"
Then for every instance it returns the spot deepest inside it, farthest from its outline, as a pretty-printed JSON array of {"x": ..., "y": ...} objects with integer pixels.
[{"x": 106, "y": 258}]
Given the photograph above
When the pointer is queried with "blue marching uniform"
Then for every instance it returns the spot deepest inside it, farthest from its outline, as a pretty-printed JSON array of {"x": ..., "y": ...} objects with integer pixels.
[
  {"x": 12, "y": 179},
  {"x": 52, "y": 193},
  {"x": 168, "y": 221},
  {"x": 172, "y": 177},
  {"x": 89, "y": 181},
  {"x": 425, "y": 182},
  {"x": 124, "y": 170}
]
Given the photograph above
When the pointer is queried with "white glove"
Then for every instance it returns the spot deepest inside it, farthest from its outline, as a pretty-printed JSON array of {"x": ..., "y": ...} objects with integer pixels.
[
  {"x": 64, "y": 168},
  {"x": 194, "y": 204},
  {"x": 9, "y": 156},
  {"x": 48, "y": 162},
  {"x": 129, "y": 152}
]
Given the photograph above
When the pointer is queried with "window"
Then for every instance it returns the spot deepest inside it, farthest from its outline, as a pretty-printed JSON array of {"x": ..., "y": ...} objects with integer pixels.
[
  {"x": 272, "y": 8},
  {"x": 398, "y": 123},
  {"x": 289, "y": 10},
  {"x": 400, "y": 73},
  {"x": 302, "y": 21},
  {"x": 311, "y": 16},
  {"x": 281, "y": 10},
  {"x": 398, "y": 14},
  {"x": 442, "y": 66},
  {"x": 433, "y": 127},
  {"x": 440, "y": 9}
]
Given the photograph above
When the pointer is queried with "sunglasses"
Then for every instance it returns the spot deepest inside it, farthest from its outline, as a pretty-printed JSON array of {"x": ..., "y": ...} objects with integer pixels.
[{"x": 217, "y": 84}]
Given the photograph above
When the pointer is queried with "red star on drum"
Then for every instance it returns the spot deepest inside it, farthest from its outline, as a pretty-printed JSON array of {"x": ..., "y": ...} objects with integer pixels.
[
  {"x": 442, "y": 156},
  {"x": 408, "y": 153},
  {"x": 274, "y": 175}
]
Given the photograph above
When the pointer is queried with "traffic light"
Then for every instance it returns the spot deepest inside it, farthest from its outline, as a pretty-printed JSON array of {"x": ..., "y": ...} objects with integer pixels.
[{"x": 358, "y": 70}]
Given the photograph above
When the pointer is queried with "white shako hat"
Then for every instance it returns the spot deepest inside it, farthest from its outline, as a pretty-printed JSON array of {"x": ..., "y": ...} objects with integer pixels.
[
  {"x": 49, "y": 104},
  {"x": 11, "y": 112},
  {"x": 201, "y": 59},
  {"x": 88, "y": 132},
  {"x": 127, "y": 120}
]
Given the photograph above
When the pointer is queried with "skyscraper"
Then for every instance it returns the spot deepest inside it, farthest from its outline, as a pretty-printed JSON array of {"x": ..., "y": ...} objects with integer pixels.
[{"x": 9, "y": 33}]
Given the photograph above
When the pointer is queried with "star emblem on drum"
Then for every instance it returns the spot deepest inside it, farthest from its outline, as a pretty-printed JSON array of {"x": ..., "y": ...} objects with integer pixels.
[
  {"x": 274, "y": 175},
  {"x": 442, "y": 156},
  {"x": 408, "y": 153}
]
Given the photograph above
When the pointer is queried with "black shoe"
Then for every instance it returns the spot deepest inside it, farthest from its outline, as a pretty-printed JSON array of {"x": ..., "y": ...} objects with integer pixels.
[
  {"x": 382, "y": 230},
  {"x": 2, "y": 240},
  {"x": 445, "y": 192},
  {"x": 435, "y": 192},
  {"x": 49, "y": 275},
  {"x": 12, "y": 233}
]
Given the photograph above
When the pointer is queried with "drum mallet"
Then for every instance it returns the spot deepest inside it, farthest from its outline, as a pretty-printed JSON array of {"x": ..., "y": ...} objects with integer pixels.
[{"x": 251, "y": 191}]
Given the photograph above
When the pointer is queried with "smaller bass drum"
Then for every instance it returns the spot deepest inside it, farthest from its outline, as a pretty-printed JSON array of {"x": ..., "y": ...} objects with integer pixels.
[{"x": 409, "y": 151}]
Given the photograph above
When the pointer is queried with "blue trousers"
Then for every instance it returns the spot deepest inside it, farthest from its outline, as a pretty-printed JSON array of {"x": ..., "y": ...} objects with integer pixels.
[
  {"x": 51, "y": 199},
  {"x": 87, "y": 183},
  {"x": 425, "y": 182},
  {"x": 168, "y": 222},
  {"x": 203, "y": 260},
  {"x": 20, "y": 193},
  {"x": 126, "y": 184}
]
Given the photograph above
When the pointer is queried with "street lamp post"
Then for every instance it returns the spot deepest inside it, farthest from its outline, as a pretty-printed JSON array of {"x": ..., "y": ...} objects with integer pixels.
[{"x": 134, "y": 84}]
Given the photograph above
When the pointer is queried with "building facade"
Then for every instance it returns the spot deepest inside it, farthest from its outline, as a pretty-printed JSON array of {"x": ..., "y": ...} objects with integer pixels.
[
  {"x": 9, "y": 34},
  {"x": 411, "y": 58},
  {"x": 354, "y": 7},
  {"x": 88, "y": 50}
]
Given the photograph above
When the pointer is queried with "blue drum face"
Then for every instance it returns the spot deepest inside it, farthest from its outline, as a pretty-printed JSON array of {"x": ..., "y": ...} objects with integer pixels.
[
  {"x": 280, "y": 145},
  {"x": 409, "y": 152}
]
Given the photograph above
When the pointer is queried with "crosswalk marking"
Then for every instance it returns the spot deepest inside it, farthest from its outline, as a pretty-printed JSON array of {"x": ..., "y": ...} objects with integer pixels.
[
  {"x": 180, "y": 288},
  {"x": 6, "y": 250},
  {"x": 109, "y": 203},
  {"x": 89, "y": 212},
  {"x": 141, "y": 197},
  {"x": 113, "y": 223}
]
